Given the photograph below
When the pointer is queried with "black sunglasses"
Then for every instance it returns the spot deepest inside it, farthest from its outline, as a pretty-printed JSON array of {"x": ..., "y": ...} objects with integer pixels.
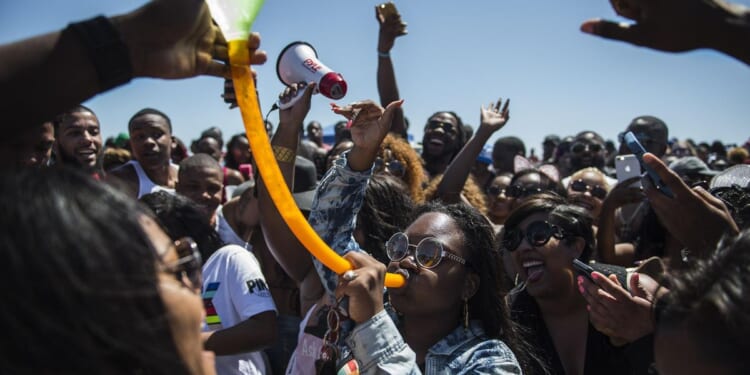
[
  {"x": 517, "y": 191},
  {"x": 497, "y": 190},
  {"x": 595, "y": 190},
  {"x": 579, "y": 147},
  {"x": 428, "y": 252},
  {"x": 447, "y": 127},
  {"x": 537, "y": 234}
]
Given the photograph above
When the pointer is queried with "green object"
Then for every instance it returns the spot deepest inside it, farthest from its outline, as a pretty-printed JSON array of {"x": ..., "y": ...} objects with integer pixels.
[{"x": 235, "y": 17}]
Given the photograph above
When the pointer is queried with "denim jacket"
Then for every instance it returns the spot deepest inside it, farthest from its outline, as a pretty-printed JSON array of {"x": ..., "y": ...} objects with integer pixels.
[
  {"x": 379, "y": 348},
  {"x": 377, "y": 344},
  {"x": 333, "y": 215}
]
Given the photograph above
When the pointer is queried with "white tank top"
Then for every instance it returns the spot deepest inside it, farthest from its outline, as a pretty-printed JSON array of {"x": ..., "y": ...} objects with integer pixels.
[{"x": 145, "y": 185}]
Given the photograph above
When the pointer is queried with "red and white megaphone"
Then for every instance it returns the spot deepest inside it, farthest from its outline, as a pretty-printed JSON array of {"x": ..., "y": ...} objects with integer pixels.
[{"x": 298, "y": 62}]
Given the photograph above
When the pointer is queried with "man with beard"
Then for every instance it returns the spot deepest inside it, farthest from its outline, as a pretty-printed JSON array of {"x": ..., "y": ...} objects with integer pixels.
[
  {"x": 443, "y": 138},
  {"x": 151, "y": 142},
  {"x": 587, "y": 150},
  {"x": 78, "y": 140}
]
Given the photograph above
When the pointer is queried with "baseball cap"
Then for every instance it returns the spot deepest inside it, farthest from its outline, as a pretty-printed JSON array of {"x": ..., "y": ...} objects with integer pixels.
[{"x": 691, "y": 165}]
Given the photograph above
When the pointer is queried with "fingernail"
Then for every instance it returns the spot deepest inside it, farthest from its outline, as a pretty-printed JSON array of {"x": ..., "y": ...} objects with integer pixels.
[
  {"x": 587, "y": 28},
  {"x": 580, "y": 288},
  {"x": 595, "y": 276}
]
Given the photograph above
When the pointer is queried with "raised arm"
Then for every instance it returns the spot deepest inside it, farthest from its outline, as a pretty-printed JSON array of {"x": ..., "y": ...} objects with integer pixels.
[
  {"x": 391, "y": 27},
  {"x": 621, "y": 254},
  {"x": 288, "y": 251},
  {"x": 679, "y": 26},
  {"x": 341, "y": 191},
  {"x": 162, "y": 39},
  {"x": 492, "y": 118}
]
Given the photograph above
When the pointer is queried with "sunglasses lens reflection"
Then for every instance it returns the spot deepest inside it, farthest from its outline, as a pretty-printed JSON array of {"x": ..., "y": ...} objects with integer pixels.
[
  {"x": 429, "y": 253},
  {"x": 397, "y": 246}
]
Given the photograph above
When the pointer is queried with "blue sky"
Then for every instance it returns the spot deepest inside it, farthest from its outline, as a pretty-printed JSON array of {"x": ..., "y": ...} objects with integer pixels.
[{"x": 456, "y": 57}]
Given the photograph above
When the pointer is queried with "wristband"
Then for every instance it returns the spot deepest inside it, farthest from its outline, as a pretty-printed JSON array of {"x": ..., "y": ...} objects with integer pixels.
[
  {"x": 106, "y": 49},
  {"x": 384, "y": 55},
  {"x": 283, "y": 154}
]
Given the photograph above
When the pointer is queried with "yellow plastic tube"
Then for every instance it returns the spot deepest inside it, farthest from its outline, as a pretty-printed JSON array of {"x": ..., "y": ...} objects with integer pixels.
[{"x": 247, "y": 99}]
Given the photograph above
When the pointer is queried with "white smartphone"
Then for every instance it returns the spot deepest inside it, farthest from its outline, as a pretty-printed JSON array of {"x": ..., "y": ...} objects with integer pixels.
[{"x": 628, "y": 166}]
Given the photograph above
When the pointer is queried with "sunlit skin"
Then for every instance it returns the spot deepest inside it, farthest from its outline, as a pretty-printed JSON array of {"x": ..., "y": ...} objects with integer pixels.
[
  {"x": 585, "y": 200},
  {"x": 79, "y": 140},
  {"x": 204, "y": 187},
  {"x": 151, "y": 141},
  {"x": 547, "y": 270},
  {"x": 438, "y": 142},
  {"x": 499, "y": 204}
]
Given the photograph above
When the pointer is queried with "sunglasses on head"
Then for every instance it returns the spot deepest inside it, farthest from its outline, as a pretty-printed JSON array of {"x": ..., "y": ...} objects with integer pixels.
[
  {"x": 394, "y": 167},
  {"x": 517, "y": 191},
  {"x": 447, "y": 127},
  {"x": 580, "y": 147},
  {"x": 428, "y": 253},
  {"x": 582, "y": 187},
  {"x": 537, "y": 234},
  {"x": 187, "y": 268}
]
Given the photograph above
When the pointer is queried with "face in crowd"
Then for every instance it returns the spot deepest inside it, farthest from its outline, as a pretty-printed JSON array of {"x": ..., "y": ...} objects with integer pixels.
[
  {"x": 449, "y": 275},
  {"x": 315, "y": 132},
  {"x": 587, "y": 150},
  {"x": 587, "y": 189},
  {"x": 441, "y": 136},
  {"x": 201, "y": 180},
  {"x": 151, "y": 140},
  {"x": 79, "y": 140},
  {"x": 499, "y": 203}
]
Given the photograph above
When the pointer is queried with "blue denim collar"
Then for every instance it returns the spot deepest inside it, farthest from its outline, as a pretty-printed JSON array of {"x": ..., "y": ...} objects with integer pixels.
[{"x": 458, "y": 338}]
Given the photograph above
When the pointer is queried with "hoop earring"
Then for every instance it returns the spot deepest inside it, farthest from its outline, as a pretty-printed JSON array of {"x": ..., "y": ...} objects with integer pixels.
[{"x": 466, "y": 314}]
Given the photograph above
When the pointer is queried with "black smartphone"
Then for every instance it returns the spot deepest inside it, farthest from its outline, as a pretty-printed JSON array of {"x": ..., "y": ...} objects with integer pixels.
[
  {"x": 583, "y": 269},
  {"x": 637, "y": 149}
]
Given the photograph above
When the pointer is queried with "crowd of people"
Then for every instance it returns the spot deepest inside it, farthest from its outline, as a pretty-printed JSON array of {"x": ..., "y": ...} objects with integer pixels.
[{"x": 140, "y": 254}]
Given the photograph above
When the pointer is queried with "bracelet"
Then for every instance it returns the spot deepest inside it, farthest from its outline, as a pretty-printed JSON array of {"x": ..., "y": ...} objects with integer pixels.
[
  {"x": 107, "y": 51},
  {"x": 283, "y": 154},
  {"x": 384, "y": 55}
]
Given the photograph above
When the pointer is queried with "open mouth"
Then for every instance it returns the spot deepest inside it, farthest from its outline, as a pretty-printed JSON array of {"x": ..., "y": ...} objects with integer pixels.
[
  {"x": 583, "y": 204},
  {"x": 534, "y": 270}
]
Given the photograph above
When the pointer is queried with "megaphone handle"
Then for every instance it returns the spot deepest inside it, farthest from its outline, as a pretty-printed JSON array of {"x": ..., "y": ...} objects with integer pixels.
[{"x": 293, "y": 100}]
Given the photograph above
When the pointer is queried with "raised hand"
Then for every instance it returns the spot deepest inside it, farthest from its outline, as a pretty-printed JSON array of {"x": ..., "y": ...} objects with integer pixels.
[
  {"x": 693, "y": 216},
  {"x": 493, "y": 117},
  {"x": 391, "y": 26},
  {"x": 177, "y": 39},
  {"x": 674, "y": 25},
  {"x": 363, "y": 286},
  {"x": 295, "y": 115},
  {"x": 623, "y": 193},
  {"x": 614, "y": 311}
]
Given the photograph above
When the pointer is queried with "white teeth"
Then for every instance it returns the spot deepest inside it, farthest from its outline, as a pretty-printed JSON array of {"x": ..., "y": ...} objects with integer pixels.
[{"x": 532, "y": 263}]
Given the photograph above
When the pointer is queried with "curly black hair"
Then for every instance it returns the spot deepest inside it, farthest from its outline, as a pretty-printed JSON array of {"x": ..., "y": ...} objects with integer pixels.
[{"x": 709, "y": 302}]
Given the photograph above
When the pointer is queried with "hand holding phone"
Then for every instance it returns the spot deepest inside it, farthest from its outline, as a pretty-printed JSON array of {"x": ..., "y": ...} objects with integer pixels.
[
  {"x": 627, "y": 167},
  {"x": 583, "y": 269},
  {"x": 637, "y": 149}
]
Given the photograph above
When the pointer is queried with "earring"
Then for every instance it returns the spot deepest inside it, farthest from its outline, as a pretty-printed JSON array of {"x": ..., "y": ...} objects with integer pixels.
[
  {"x": 515, "y": 282},
  {"x": 466, "y": 314}
]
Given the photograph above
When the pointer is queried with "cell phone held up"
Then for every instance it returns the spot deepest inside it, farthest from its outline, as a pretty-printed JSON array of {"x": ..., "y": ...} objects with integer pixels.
[
  {"x": 387, "y": 10},
  {"x": 583, "y": 269},
  {"x": 637, "y": 149}
]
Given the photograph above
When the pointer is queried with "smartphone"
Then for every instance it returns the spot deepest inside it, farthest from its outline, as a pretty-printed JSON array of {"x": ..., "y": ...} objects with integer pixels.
[
  {"x": 627, "y": 167},
  {"x": 583, "y": 269},
  {"x": 637, "y": 149},
  {"x": 388, "y": 10}
]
